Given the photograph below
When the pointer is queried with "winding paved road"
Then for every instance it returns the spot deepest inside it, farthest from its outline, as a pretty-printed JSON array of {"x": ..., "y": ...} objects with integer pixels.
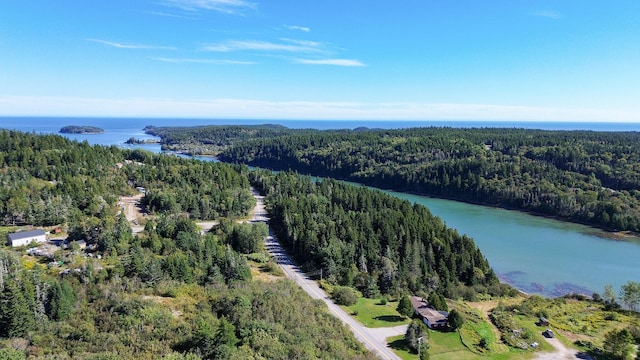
[{"x": 371, "y": 340}]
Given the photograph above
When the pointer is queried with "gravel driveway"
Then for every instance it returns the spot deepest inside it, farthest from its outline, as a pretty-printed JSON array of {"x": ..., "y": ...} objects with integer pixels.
[{"x": 562, "y": 352}]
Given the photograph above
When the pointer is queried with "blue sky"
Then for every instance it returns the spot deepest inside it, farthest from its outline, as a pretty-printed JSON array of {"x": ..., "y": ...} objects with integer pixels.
[{"x": 570, "y": 60}]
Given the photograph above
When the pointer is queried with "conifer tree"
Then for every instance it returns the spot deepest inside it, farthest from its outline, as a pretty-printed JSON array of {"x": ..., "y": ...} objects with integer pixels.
[
  {"x": 16, "y": 320},
  {"x": 62, "y": 300},
  {"x": 405, "y": 307}
]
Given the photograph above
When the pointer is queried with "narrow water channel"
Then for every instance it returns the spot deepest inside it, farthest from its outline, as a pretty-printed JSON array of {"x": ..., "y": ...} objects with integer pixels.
[{"x": 539, "y": 255}]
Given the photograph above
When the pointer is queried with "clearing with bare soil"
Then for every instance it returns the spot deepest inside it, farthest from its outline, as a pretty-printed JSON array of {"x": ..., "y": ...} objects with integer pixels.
[{"x": 133, "y": 211}]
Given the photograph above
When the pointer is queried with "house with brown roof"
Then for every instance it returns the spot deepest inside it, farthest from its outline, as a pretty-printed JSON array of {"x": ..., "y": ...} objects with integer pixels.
[{"x": 433, "y": 318}]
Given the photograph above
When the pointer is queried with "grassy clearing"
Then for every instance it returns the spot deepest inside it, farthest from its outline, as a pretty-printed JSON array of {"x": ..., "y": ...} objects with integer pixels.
[
  {"x": 6, "y": 230},
  {"x": 573, "y": 319},
  {"x": 371, "y": 313},
  {"x": 267, "y": 272},
  {"x": 447, "y": 346},
  {"x": 477, "y": 332},
  {"x": 529, "y": 324},
  {"x": 400, "y": 348}
]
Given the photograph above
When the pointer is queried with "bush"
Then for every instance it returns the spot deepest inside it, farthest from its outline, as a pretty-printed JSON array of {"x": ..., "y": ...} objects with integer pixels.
[
  {"x": 343, "y": 295},
  {"x": 383, "y": 301},
  {"x": 455, "y": 320},
  {"x": 273, "y": 268}
]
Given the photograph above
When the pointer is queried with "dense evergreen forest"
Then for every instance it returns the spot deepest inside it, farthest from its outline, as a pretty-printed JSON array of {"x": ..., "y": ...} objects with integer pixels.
[
  {"x": 210, "y": 140},
  {"x": 581, "y": 176},
  {"x": 48, "y": 180},
  {"x": 166, "y": 292},
  {"x": 372, "y": 241}
]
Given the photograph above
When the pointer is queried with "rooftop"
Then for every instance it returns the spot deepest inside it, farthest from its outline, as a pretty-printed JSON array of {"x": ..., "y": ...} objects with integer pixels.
[
  {"x": 422, "y": 308},
  {"x": 25, "y": 234}
]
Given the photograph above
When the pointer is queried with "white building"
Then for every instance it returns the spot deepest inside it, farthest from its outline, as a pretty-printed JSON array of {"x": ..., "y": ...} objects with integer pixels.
[{"x": 25, "y": 237}]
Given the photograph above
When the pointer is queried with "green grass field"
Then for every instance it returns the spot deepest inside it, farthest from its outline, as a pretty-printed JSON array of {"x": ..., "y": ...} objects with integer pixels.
[
  {"x": 448, "y": 346},
  {"x": 400, "y": 348},
  {"x": 372, "y": 314}
]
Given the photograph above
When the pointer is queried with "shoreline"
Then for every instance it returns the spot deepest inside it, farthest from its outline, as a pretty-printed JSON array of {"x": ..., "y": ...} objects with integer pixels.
[{"x": 609, "y": 234}]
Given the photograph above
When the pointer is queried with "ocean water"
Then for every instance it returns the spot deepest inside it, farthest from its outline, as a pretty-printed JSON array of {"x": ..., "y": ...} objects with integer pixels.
[
  {"x": 120, "y": 126},
  {"x": 119, "y": 130}
]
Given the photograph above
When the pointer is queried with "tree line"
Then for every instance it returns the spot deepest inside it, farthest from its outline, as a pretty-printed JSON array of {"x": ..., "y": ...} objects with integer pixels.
[
  {"x": 582, "y": 176},
  {"x": 211, "y": 139},
  {"x": 372, "y": 241}
]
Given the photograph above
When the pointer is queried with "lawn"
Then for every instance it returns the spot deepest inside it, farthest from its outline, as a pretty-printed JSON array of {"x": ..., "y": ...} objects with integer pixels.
[
  {"x": 399, "y": 347},
  {"x": 371, "y": 313},
  {"x": 466, "y": 343},
  {"x": 447, "y": 346}
]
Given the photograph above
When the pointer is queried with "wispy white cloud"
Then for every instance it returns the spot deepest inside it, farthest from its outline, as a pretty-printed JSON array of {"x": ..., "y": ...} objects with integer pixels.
[
  {"x": 202, "y": 61},
  {"x": 163, "y": 14},
  {"x": 300, "y": 28},
  {"x": 224, "y": 6},
  {"x": 256, "y": 45},
  {"x": 259, "y": 109},
  {"x": 335, "y": 62},
  {"x": 131, "y": 46},
  {"x": 549, "y": 14},
  {"x": 306, "y": 43}
]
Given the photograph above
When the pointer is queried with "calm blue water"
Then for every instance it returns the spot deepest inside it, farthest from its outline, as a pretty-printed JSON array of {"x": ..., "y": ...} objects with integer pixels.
[
  {"x": 120, "y": 126},
  {"x": 539, "y": 255},
  {"x": 534, "y": 254}
]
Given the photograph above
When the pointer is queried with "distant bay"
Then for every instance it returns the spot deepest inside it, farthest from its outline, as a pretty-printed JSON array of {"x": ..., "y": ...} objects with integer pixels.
[{"x": 534, "y": 254}]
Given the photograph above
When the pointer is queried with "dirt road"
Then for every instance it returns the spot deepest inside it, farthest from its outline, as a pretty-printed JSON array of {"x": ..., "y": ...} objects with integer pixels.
[
  {"x": 373, "y": 340},
  {"x": 561, "y": 352},
  {"x": 131, "y": 208}
]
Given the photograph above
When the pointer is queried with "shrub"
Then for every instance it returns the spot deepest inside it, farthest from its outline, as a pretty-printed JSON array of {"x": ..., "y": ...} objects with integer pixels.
[
  {"x": 343, "y": 295},
  {"x": 455, "y": 320}
]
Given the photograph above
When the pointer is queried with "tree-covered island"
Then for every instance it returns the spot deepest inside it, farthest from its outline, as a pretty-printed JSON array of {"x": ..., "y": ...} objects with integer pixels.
[{"x": 74, "y": 129}]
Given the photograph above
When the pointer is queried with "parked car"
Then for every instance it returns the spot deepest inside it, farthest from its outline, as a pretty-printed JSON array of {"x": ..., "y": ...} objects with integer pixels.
[{"x": 548, "y": 333}]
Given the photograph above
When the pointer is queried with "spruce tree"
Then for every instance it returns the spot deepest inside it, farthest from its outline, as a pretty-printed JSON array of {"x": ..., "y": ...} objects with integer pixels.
[
  {"x": 405, "y": 307},
  {"x": 15, "y": 317},
  {"x": 62, "y": 300}
]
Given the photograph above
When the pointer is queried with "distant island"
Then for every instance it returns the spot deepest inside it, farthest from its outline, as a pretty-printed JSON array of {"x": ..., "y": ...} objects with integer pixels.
[
  {"x": 73, "y": 129},
  {"x": 134, "y": 141}
]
